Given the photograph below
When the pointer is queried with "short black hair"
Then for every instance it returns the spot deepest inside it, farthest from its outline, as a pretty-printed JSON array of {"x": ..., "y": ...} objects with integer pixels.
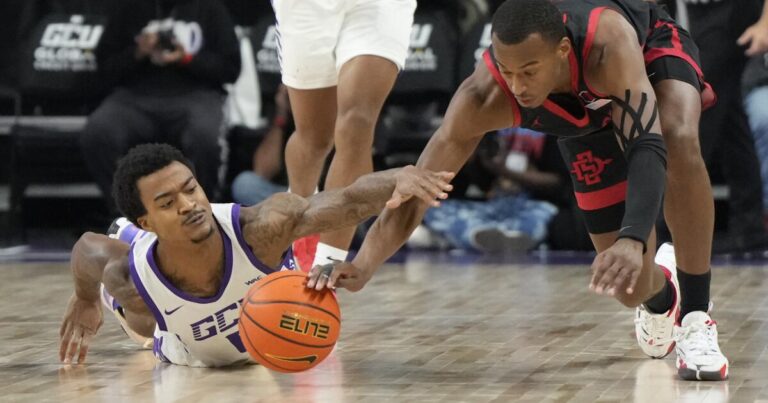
[
  {"x": 141, "y": 161},
  {"x": 515, "y": 20}
]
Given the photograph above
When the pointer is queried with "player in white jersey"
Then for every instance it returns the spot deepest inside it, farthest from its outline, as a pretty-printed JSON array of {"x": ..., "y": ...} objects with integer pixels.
[
  {"x": 179, "y": 273},
  {"x": 339, "y": 60}
]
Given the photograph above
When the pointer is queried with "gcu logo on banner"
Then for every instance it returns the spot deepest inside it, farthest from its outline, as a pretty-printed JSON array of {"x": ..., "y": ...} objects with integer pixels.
[
  {"x": 267, "y": 57},
  {"x": 421, "y": 57},
  {"x": 68, "y": 46}
]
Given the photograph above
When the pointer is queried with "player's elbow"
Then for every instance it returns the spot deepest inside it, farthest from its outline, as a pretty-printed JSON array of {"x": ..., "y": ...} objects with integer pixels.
[{"x": 88, "y": 244}]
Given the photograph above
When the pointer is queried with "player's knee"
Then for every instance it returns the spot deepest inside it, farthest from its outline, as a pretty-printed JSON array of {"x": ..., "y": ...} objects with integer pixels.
[
  {"x": 683, "y": 148},
  {"x": 682, "y": 139},
  {"x": 355, "y": 122},
  {"x": 316, "y": 139}
]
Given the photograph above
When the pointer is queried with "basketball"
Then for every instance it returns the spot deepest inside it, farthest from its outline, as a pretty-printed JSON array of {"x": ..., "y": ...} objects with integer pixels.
[{"x": 287, "y": 327}]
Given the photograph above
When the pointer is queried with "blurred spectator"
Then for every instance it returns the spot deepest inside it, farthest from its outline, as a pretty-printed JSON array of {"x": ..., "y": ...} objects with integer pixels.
[
  {"x": 716, "y": 26},
  {"x": 252, "y": 187},
  {"x": 520, "y": 176},
  {"x": 755, "y": 90},
  {"x": 169, "y": 60}
]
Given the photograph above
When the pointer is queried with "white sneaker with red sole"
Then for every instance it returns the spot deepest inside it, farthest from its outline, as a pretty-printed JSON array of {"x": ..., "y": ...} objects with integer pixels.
[{"x": 655, "y": 331}]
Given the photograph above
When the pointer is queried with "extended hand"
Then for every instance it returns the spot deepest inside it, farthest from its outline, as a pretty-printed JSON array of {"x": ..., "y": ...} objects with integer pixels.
[
  {"x": 756, "y": 36},
  {"x": 341, "y": 274},
  {"x": 81, "y": 322},
  {"x": 617, "y": 265},
  {"x": 424, "y": 184}
]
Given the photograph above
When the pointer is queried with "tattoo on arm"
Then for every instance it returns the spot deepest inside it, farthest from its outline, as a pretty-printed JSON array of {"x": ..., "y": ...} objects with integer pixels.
[{"x": 344, "y": 207}]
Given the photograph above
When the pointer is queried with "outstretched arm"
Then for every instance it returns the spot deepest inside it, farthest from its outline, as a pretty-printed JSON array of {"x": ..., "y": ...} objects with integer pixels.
[
  {"x": 270, "y": 227},
  {"x": 94, "y": 258},
  {"x": 619, "y": 71},
  {"x": 479, "y": 106}
]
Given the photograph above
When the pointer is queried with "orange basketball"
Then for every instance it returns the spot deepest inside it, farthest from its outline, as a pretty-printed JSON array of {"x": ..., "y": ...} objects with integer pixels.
[{"x": 287, "y": 327}]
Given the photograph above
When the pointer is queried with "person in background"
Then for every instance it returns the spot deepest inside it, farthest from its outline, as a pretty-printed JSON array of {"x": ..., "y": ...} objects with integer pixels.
[
  {"x": 755, "y": 90},
  {"x": 168, "y": 61},
  {"x": 253, "y": 186}
]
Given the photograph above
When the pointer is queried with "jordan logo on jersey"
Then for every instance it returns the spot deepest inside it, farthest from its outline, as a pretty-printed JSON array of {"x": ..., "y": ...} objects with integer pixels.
[{"x": 588, "y": 168}]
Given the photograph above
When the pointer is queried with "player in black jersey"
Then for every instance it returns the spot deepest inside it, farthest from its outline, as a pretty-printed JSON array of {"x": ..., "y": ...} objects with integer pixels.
[{"x": 618, "y": 81}]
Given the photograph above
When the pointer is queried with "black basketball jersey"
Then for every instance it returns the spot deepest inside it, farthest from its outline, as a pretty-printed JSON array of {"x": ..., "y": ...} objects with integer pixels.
[{"x": 584, "y": 110}]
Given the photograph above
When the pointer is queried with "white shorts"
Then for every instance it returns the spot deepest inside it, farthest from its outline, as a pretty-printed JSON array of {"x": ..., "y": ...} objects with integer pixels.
[{"x": 316, "y": 37}]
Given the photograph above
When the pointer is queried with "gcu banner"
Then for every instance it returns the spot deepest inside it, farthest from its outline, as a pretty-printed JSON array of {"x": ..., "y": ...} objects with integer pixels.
[
  {"x": 68, "y": 46},
  {"x": 60, "y": 58}
]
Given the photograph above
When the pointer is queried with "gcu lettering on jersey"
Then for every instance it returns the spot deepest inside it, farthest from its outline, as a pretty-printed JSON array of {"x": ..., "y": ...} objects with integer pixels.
[
  {"x": 219, "y": 322},
  {"x": 421, "y": 57},
  {"x": 201, "y": 331},
  {"x": 268, "y": 56},
  {"x": 68, "y": 46}
]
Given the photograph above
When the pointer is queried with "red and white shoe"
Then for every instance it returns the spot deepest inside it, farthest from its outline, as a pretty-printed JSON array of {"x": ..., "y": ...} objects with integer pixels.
[
  {"x": 698, "y": 353},
  {"x": 304, "y": 251},
  {"x": 655, "y": 331}
]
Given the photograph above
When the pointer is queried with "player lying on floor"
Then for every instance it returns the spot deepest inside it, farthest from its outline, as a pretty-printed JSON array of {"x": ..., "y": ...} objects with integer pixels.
[{"x": 175, "y": 271}]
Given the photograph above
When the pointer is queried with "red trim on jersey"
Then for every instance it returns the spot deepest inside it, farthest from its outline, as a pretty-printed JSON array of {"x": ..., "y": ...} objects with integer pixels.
[
  {"x": 676, "y": 50},
  {"x": 594, "y": 19},
  {"x": 562, "y": 113},
  {"x": 656, "y": 53},
  {"x": 516, "y": 117},
  {"x": 602, "y": 198},
  {"x": 708, "y": 96}
]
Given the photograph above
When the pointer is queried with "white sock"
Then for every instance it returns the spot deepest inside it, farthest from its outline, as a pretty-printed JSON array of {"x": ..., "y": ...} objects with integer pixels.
[
  {"x": 317, "y": 190},
  {"x": 328, "y": 254}
]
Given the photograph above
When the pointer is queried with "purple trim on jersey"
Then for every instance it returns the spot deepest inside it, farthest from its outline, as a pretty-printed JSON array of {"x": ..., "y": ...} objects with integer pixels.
[
  {"x": 157, "y": 348},
  {"x": 288, "y": 260},
  {"x": 108, "y": 297},
  {"x": 181, "y": 294},
  {"x": 144, "y": 294},
  {"x": 244, "y": 245},
  {"x": 128, "y": 233}
]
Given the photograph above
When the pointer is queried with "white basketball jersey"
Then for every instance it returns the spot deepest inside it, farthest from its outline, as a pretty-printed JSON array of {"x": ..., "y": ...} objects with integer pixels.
[{"x": 200, "y": 331}]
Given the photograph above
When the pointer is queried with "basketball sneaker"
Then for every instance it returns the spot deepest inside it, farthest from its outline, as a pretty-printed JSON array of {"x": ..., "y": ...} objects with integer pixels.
[
  {"x": 698, "y": 353},
  {"x": 304, "y": 251},
  {"x": 655, "y": 331}
]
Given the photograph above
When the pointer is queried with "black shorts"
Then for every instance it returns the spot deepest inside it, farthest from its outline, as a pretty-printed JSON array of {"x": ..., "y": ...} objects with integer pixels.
[
  {"x": 598, "y": 170},
  {"x": 671, "y": 53}
]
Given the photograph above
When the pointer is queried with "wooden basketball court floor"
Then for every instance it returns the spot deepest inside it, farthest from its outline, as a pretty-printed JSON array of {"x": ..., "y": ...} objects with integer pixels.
[{"x": 422, "y": 331}]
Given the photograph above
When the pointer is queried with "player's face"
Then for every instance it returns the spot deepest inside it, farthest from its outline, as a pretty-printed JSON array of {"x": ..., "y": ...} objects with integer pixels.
[
  {"x": 533, "y": 68},
  {"x": 177, "y": 208}
]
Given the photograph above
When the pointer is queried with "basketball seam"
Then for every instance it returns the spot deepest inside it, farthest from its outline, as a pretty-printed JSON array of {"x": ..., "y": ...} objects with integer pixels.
[
  {"x": 277, "y": 301},
  {"x": 275, "y": 279},
  {"x": 255, "y": 350},
  {"x": 283, "y": 337}
]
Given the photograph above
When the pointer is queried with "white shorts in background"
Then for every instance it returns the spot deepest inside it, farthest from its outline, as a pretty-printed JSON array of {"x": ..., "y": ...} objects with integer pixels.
[{"x": 316, "y": 37}]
